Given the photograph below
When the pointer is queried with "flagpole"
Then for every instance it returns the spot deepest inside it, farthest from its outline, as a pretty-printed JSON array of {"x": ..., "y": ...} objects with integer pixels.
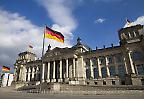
[
  {"x": 43, "y": 48},
  {"x": 43, "y": 42}
]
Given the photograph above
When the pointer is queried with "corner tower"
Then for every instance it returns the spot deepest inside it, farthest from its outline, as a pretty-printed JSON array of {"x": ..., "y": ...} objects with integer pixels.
[{"x": 132, "y": 45}]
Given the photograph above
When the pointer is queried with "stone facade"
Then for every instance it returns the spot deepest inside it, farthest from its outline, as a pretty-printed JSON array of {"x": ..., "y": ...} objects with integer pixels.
[{"x": 115, "y": 65}]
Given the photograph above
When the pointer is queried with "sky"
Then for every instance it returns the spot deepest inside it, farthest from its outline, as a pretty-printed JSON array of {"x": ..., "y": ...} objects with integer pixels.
[{"x": 96, "y": 22}]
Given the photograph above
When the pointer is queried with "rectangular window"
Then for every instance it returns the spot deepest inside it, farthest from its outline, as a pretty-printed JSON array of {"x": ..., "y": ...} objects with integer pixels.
[
  {"x": 110, "y": 59},
  {"x": 104, "y": 82},
  {"x": 121, "y": 70},
  {"x": 112, "y": 70},
  {"x": 142, "y": 81},
  {"x": 96, "y": 75},
  {"x": 140, "y": 69},
  {"x": 88, "y": 73},
  {"x": 102, "y": 60},
  {"x": 113, "y": 82},
  {"x": 119, "y": 58},
  {"x": 94, "y": 61},
  {"x": 95, "y": 83},
  {"x": 104, "y": 72}
]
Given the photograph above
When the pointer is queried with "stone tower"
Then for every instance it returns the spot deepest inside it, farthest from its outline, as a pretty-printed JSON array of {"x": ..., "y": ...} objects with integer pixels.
[{"x": 20, "y": 65}]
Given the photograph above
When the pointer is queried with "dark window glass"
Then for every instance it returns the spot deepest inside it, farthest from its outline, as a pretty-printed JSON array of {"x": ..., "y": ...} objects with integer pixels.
[
  {"x": 94, "y": 62},
  {"x": 95, "y": 83},
  {"x": 102, "y": 60},
  {"x": 140, "y": 69},
  {"x": 104, "y": 82},
  {"x": 112, "y": 70},
  {"x": 104, "y": 72},
  {"x": 121, "y": 70},
  {"x": 87, "y": 83},
  {"x": 88, "y": 74},
  {"x": 119, "y": 58},
  {"x": 137, "y": 56},
  {"x": 113, "y": 82},
  {"x": 96, "y": 73},
  {"x": 142, "y": 81},
  {"x": 110, "y": 59}
]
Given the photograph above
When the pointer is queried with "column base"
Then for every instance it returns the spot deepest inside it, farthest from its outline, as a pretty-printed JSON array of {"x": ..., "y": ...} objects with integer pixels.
[
  {"x": 53, "y": 80},
  {"x": 66, "y": 80},
  {"x": 42, "y": 80},
  {"x": 60, "y": 80},
  {"x": 48, "y": 80}
]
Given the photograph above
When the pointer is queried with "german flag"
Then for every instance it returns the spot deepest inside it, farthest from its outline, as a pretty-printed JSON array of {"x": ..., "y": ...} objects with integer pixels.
[
  {"x": 51, "y": 34},
  {"x": 6, "y": 69}
]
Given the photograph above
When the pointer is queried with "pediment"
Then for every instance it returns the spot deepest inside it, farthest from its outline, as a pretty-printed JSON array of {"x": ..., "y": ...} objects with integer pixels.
[{"x": 58, "y": 52}]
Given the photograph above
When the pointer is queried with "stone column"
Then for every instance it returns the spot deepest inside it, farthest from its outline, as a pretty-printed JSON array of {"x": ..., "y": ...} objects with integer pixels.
[
  {"x": 107, "y": 66},
  {"x": 60, "y": 69},
  {"x": 129, "y": 35},
  {"x": 77, "y": 69},
  {"x": 91, "y": 67},
  {"x": 43, "y": 72},
  {"x": 125, "y": 63},
  {"x": 74, "y": 69},
  {"x": 99, "y": 68},
  {"x": 67, "y": 68},
  {"x": 28, "y": 79},
  {"x": 131, "y": 62},
  {"x": 48, "y": 72},
  {"x": 36, "y": 77},
  {"x": 81, "y": 72},
  {"x": 53, "y": 80},
  {"x": 33, "y": 73}
]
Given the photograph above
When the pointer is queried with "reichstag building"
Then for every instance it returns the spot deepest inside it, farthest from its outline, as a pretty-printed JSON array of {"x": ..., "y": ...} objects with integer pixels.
[{"x": 80, "y": 65}]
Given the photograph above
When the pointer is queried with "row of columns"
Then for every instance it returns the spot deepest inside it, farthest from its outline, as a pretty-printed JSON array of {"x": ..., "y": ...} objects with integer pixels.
[
  {"x": 31, "y": 73},
  {"x": 99, "y": 68},
  {"x": 60, "y": 70},
  {"x": 115, "y": 64},
  {"x": 74, "y": 63}
]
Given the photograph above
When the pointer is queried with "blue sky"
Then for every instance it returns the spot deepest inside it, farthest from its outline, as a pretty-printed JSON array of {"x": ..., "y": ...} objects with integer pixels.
[{"x": 96, "y": 22}]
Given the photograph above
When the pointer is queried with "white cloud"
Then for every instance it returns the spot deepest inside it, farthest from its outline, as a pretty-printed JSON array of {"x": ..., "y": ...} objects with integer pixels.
[
  {"x": 17, "y": 32},
  {"x": 139, "y": 20},
  {"x": 100, "y": 20},
  {"x": 60, "y": 12}
]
